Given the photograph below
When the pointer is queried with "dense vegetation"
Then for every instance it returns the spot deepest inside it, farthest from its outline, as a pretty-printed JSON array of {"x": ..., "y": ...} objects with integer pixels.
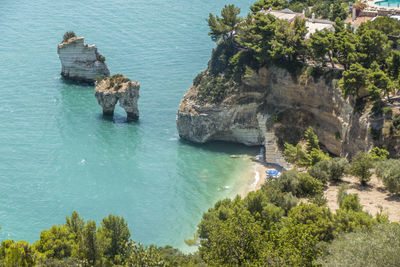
[
  {"x": 368, "y": 56},
  {"x": 266, "y": 227},
  {"x": 284, "y": 223},
  {"x": 80, "y": 243}
]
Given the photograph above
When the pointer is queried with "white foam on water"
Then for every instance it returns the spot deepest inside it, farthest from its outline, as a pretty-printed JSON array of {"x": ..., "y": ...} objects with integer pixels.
[{"x": 256, "y": 178}]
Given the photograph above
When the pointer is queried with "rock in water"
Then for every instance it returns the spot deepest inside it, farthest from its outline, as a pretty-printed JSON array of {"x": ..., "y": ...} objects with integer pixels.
[
  {"x": 81, "y": 62},
  {"x": 118, "y": 88}
]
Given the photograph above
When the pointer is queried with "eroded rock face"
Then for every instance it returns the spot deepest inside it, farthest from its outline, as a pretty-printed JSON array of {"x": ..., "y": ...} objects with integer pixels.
[
  {"x": 278, "y": 102},
  {"x": 118, "y": 88},
  {"x": 80, "y": 61}
]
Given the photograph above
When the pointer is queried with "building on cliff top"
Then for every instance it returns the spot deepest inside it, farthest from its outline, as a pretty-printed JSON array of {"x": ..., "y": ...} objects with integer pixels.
[{"x": 312, "y": 24}]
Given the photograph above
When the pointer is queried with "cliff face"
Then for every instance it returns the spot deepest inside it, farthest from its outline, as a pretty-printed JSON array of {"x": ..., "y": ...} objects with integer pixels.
[
  {"x": 118, "y": 88},
  {"x": 274, "y": 105},
  {"x": 81, "y": 62}
]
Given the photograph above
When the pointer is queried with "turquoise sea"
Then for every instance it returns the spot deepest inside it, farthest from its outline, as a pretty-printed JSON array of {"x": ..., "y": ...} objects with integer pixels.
[
  {"x": 57, "y": 153},
  {"x": 388, "y": 3}
]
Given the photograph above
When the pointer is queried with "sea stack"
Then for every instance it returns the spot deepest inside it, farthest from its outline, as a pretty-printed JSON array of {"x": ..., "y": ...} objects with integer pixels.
[
  {"x": 79, "y": 61},
  {"x": 118, "y": 88}
]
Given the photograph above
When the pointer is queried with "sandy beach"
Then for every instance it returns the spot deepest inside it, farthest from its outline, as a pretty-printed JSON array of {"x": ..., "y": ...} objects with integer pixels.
[{"x": 255, "y": 179}]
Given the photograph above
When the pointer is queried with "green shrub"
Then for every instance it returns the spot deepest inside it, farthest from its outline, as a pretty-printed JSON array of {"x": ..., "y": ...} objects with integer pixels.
[
  {"x": 320, "y": 219},
  {"x": 379, "y": 247},
  {"x": 342, "y": 193},
  {"x": 391, "y": 129},
  {"x": 299, "y": 184},
  {"x": 296, "y": 155},
  {"x": 329, "y": 169},
  {"x": 360, "y": 167},
  {"x": 197, "y": 79},
  {"x": 319, "y": 199},
  {"x": 289, "y": 182},
  {"x": 396, "y": 121},
  {"x": 317, "y": 155},
  {"x": 347, "y": 220},
  {"x": 275, "y": 195},
  {"x": 389, "y": 172},
  {"x": 309, "y": 186},
  {"x": 289, "y": 201},
  {"x": 378, "y": 154},
  {"x": 321, "y": 171},
  {"x": 271, "y": 214},
  {"x": 102, "y": 58},
  {"x": 213, "y": 89},
  {"x": 68, "y": 35},
  {"x": 337, "y": 168},
  {"x": 387, "y": 111},
  {"x": 351, "y": 202}
]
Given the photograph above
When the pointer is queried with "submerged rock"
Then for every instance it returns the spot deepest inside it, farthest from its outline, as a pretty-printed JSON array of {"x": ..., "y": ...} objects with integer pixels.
[
  {"x": 118, "y": 88},
  {"x": 81, "y": 62}
]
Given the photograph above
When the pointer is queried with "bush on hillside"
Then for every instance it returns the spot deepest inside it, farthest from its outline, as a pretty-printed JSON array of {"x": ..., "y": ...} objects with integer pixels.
[
  {"x": 289, "y": 182},
  {"x": 379, "y": 247},
  {"x": 342, "y": 193},
  {"x": 329, "y": 169},
  {"x": 351, "y": 202},
  {"x": 284, "y": 200},
  {"x": 68, "y": 35},
  {"x": 389, "y": 172},
  {"x": 378, "y": 154},
  {"x": 309, "y": 186},
  {"x": 360, "y": 167},
  {"x": 350, "y": 220}
]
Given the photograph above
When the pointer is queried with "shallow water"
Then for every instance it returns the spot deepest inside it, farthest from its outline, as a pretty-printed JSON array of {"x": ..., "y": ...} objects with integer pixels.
[{"x": 57, "y": 153}]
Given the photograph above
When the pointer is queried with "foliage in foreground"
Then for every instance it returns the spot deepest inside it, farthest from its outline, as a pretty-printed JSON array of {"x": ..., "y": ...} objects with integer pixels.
[
  {"x": 389, "y": 172},
  {"x": 379, "y": 247},
  {"x": 254, "y": 230},
  {"x": 80, "y": 243},
  {"x": 266, "y": 227}
]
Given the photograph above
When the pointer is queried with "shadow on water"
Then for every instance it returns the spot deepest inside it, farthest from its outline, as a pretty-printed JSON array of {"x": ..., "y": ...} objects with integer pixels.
[
  {"x": 223, "y": 147},
  {"x": 72, "y": 82},
  {"x": 117, "y": 118}
]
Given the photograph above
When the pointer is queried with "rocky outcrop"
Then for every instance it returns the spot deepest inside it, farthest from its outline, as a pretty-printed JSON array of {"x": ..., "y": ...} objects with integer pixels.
[
  {"x": 81, "y": 62},
  {"x": 118, "y": 88},
  {"x": 276, "y": 101}
]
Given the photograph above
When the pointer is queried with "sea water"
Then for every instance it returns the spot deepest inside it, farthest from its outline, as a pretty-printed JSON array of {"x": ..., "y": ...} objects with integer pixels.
[{"x": 58, "y": 154}]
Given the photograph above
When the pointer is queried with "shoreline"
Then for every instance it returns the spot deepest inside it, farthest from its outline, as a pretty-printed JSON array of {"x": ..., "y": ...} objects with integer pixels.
[
  {"x": 253, "y": 179},
  {"x": 255, "y": 176}
]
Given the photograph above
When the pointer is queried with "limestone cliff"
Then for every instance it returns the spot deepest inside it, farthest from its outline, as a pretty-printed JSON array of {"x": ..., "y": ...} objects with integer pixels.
[
  {"x": 273, "y": 105},
  {"x": 118, "y": 88},
  {"x": 80, "y": 61}
]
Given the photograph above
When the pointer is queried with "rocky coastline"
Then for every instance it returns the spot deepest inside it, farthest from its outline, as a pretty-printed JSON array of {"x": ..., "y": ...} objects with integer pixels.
[{"x": 274, "y": 105}]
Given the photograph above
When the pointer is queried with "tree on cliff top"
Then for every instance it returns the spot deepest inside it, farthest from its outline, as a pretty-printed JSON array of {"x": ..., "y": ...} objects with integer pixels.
[
  {"x": 221, "y": 27},
  {"x": 68, "y": 35}
]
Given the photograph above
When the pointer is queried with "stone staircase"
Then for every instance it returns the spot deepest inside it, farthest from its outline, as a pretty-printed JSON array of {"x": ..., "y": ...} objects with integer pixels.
[{"x": 272, "y": 153}]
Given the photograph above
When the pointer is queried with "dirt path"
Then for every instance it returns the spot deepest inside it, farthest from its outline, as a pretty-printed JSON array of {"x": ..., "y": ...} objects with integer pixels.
[{"x": 373, "y": 197}]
